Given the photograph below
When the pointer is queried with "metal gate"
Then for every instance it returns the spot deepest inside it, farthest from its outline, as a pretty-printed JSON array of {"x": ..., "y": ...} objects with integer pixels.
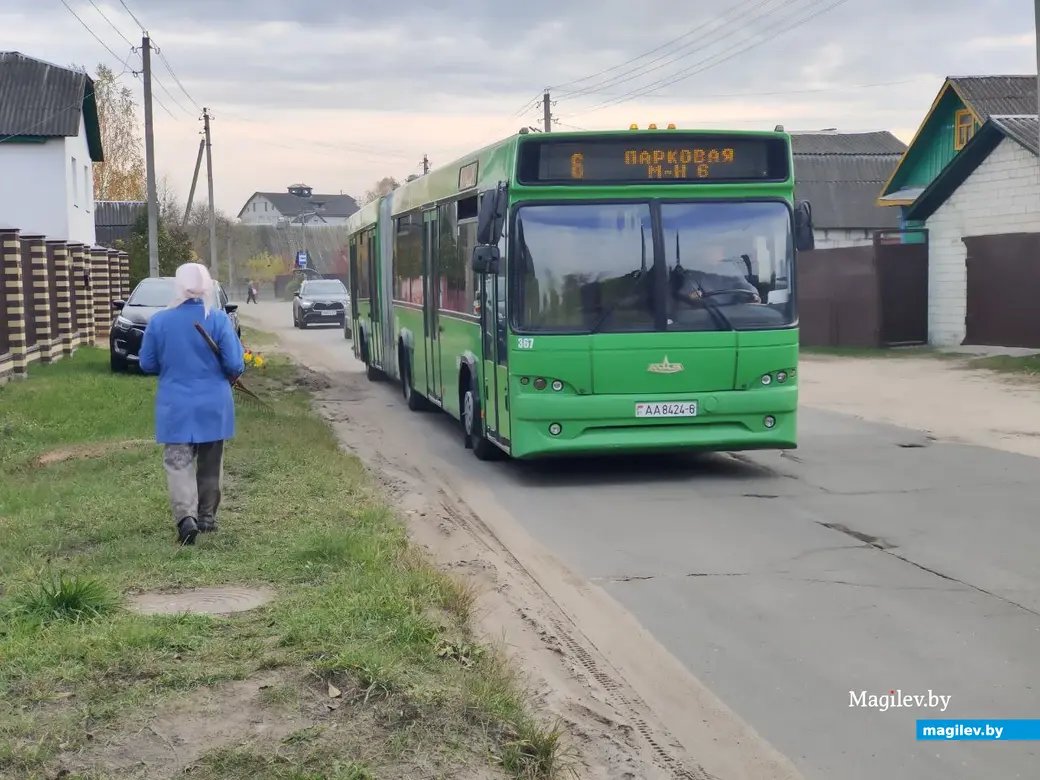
[
  {"x": 1003, "y": 288},
  {"x": 902, "y": 272},
  {"x": 865, "y": 296}
]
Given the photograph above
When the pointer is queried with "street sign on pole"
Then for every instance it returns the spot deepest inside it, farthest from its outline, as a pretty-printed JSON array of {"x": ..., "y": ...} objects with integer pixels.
[{"x": 301, "y": 259}]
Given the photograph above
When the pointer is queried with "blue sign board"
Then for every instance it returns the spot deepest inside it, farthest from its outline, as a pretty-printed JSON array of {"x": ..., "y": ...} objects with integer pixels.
[{"x": 301, "y": 259}]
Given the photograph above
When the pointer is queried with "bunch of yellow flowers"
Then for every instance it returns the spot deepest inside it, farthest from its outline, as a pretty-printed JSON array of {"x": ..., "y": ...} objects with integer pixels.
[{"x": 254, "y": 359}]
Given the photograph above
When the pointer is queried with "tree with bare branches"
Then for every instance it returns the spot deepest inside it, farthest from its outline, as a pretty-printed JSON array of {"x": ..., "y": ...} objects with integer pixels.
[
  {"x": 122, "y": 176},
  {"x": 383, "y": 187}
]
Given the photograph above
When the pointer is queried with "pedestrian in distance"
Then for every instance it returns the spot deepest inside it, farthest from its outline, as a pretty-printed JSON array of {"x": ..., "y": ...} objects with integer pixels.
[
  {"x": 251, "y": 293},
  {"x": 194, "y": 407}
]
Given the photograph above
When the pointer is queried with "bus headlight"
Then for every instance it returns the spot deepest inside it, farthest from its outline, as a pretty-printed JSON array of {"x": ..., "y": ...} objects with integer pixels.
[
  {"x": 781, "y": 376},
  {"x": 766, "y": 379},
  {"x": 557, "y": 385},
  {"x": 555, "y": 429},
  {"x": 769, "y": 421}
]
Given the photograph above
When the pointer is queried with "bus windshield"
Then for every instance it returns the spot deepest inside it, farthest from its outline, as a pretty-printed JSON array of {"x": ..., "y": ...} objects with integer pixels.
[{"x": 591, "y": 267}]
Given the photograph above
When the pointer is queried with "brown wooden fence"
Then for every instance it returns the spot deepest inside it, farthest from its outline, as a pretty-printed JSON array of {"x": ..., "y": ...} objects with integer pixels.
[
  {"x": 57, "y": 296},
  {"x": 865, "y": 296}
]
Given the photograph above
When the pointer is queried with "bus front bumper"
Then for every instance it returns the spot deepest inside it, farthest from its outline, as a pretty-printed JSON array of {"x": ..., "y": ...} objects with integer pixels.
[{"x": 726, "y": 421}]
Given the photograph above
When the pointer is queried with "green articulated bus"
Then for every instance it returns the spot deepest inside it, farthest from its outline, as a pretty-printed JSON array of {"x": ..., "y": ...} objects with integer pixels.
[{"x": 593, "y": 292}]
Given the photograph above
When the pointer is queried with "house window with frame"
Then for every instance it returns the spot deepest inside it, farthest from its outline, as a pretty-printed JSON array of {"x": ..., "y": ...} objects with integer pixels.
[{"x": 963, "y": 128}]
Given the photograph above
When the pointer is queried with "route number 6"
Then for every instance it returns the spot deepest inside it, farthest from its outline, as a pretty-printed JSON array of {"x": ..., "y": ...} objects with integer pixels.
[{"x": 524, "y": 342}]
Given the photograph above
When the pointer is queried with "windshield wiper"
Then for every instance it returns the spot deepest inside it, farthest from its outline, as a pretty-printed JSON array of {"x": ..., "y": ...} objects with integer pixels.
[{"x": 721, "y": 320}]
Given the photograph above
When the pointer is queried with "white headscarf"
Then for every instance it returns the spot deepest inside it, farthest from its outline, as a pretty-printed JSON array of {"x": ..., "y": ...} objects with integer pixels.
[{"x": 193, "y": 282}]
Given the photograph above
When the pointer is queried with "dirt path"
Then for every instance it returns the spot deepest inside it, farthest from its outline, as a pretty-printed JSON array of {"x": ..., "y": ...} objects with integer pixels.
[
  {"x": 632, "y": 708},
  {"x": 938, "y": 396}
]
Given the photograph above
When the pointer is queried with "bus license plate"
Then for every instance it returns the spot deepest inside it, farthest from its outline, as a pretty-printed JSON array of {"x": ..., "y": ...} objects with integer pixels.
[{"x": 667, "y": 409}]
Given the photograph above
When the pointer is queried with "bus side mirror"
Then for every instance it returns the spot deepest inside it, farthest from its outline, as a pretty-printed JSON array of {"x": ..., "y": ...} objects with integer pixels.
[
  {"x": 804, "y": 238},
  {"x": 485, "y": 259},
  {"x": 491, "y": 216}
]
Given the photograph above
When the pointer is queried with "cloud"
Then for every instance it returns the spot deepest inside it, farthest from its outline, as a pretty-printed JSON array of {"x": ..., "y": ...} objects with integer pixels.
[{"x": 339, "y": 94}]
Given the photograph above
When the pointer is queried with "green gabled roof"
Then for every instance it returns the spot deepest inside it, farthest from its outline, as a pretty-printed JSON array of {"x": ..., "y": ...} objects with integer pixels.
[
  {"x": 984, "y": 96},
  {"x": 1023, "y": 130}
]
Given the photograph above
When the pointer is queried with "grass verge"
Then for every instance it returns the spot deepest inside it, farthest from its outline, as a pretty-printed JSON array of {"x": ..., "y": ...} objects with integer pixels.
[
  {"x": 362, "y": 666},
  {"x": 1024, "y": 365},
  {"x": 871, "y": 352}
]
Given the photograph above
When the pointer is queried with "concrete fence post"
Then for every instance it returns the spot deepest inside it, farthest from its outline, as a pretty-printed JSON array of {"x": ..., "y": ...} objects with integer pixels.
[
  {"x": 59, "y": 250},
  {"x": 14, "y": 302},
  {"x": 102, "y": 296},
  {"x": 82, "y": 307},
  {"x": 124, "y": 275},
  {"x": 40, "y": 295},
  {"x": 115, "y": 278}
]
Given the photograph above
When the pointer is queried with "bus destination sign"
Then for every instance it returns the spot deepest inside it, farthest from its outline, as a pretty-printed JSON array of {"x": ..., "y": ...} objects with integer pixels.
[{"x": 624, "y": 161}]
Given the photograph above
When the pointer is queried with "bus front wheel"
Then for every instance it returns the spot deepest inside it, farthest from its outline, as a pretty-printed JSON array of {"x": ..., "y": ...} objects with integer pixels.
[{"x": 472, "y": 428}]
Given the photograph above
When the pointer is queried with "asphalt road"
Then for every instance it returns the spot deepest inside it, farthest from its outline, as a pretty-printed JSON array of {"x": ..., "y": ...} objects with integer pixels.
[{"x": 870, "y": 559}]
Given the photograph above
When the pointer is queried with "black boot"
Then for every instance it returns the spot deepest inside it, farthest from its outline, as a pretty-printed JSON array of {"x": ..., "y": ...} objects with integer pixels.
[
  {"x": 207, "y": 525},
  {"x": 187, "y": 530}
]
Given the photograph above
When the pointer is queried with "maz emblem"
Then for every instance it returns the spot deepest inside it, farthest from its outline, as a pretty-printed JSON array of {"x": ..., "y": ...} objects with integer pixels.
[{"x": 664, "y": 367}]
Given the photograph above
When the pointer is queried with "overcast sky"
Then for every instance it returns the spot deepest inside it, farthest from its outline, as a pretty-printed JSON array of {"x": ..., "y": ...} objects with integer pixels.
[{"x": 338, "y": 94}]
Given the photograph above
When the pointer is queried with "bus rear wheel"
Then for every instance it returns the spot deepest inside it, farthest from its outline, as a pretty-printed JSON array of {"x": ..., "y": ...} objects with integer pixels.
[
  {"x": 415, "y": 401},
  {"x": 472, "y": 427},
  {"x": 371, "y": 372}
]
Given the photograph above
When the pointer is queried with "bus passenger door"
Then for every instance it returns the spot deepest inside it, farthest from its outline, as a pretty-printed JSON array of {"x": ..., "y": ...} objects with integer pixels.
[
  {"x": 501, "y": 359},
  {"x": 431, "y": 304},
  {"x": 493, "y": 330},
  {"x": 353, "y": 313},
  {"x": 375, "y": 343}
]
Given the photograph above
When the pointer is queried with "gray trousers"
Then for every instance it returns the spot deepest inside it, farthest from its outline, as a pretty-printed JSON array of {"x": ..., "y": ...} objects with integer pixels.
[{"x": 195, "y": 475}]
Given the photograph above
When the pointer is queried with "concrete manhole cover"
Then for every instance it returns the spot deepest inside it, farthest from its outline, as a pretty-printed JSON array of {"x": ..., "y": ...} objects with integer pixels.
[{"x": 209, "y": 601}]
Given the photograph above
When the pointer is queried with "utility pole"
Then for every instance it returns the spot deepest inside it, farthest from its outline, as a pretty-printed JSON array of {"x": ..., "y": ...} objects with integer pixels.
[
  {"x": 547, "y": 108},
  {"x": 194, "y": 181},
  {"x": 212, "y": 207},
  {"x": 426, "y": 160},
  {"x": 149, "y": 153}
]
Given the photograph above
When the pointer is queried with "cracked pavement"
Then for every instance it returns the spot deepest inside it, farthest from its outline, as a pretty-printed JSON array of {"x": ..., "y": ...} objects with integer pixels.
[{"x": 871, "y": 558}]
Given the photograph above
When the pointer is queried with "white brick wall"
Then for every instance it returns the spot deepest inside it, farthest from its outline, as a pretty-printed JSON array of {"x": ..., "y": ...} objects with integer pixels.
[{"x": 1002, "y": 195}]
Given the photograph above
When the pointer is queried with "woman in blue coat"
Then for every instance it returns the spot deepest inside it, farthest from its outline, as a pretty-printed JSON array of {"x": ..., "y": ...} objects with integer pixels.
[{"x": 194, "y": 408}]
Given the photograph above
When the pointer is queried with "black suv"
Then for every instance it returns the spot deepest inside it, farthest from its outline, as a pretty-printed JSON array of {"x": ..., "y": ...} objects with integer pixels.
[
  {"x": 322, "y": 301},
  {"x": 150, "y": 296}
]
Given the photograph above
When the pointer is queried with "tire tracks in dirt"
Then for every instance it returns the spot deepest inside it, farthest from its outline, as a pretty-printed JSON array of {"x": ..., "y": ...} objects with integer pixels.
[{"x": 633, "y": 710}]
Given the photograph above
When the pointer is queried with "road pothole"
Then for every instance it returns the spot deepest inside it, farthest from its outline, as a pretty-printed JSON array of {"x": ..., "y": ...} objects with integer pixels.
[{"x": 206, "y": 601}]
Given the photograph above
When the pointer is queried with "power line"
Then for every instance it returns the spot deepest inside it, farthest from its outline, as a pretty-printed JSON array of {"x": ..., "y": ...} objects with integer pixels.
[
  {"x": 777, "y": 93},
  {"x": 699, "y": 34},
  {"x": 136, "y": 20},
  {"x": 166, "y": 64},
  {"x": 156, "y": 100},
  {"x": 761, "y": 9},
  {"x": 111, "y": 23},
  {"x": 169, "y": 67},
  {"x": 341, "y": 146},
  {"x": 169, "y": 94},
  {"x": 87, "y": 28},
  {"x": 536, "y": 100},
  {"x": 674, "y": 78}
]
